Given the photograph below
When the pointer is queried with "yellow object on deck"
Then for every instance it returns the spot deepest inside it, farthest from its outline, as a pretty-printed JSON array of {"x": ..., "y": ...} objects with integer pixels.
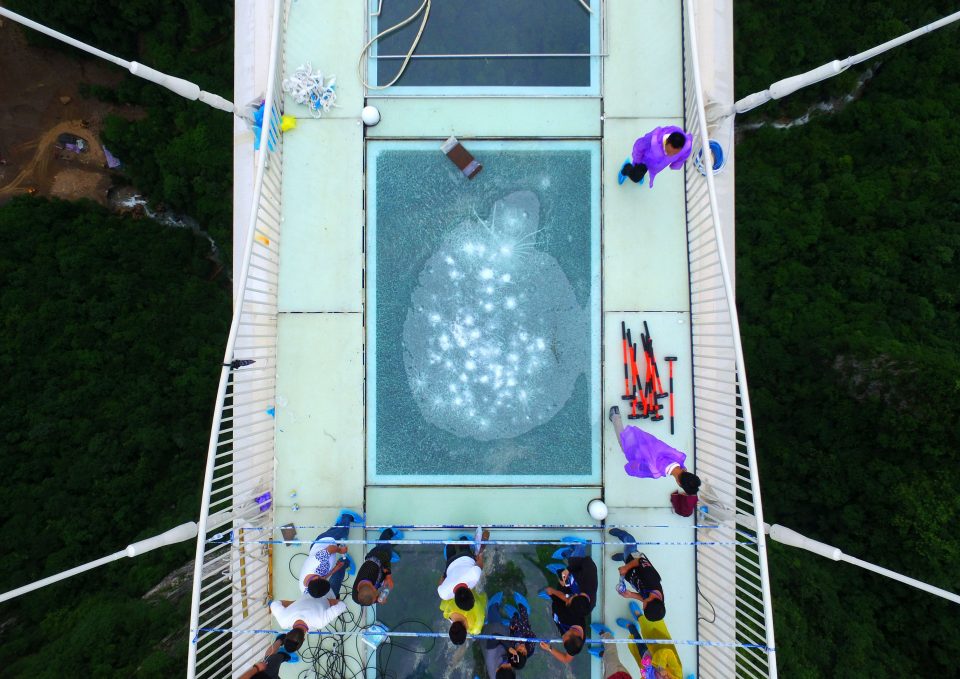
[{"x": 665, "y": 657}]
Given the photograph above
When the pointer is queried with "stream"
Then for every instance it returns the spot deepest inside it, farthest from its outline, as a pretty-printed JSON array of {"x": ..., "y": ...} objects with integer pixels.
[
  {"x": 126, "y": 200},
  {"x": 827, "y": 107}
]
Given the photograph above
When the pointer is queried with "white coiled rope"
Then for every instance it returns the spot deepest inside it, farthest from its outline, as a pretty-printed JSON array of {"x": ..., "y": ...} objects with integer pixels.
[
  {"x": 308, "y": 87},
  {"x": 425, "y": 8}
]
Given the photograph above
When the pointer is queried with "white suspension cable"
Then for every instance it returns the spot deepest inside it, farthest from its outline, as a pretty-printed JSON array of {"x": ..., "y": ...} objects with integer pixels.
[
  {"x": 794, "y": 539},
  {"x": 184, "y": 531},
  {"x": 788, "y": 536},
  {"x": 782, "y": 88},
  {"x": 184, "y": 88}
]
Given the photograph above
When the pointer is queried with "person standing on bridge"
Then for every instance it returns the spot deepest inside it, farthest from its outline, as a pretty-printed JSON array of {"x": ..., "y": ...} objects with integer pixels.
[
  {"x": 650, "y": 458},
  {"x": 654, "y": 152},
  {"x": 374, "y": 580},
  {"x": 460, "y": 602},
  {"x": 322, "y": 571},
  {"x": 276, "y": 655},
  {"x": 574, "y": 600}
]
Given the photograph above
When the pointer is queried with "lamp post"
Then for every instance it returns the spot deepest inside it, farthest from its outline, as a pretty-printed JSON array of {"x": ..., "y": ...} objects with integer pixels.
[{"x": 185, "y": 531}]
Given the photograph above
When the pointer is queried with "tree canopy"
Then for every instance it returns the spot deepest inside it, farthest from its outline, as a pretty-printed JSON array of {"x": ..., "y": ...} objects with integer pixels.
[
  {"x": 848, "y": 231},
  {"x": 111, "y": 349}
]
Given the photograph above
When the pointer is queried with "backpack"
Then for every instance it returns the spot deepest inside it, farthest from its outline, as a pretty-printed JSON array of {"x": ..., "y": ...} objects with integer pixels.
[{"x": 684, "y": 505}]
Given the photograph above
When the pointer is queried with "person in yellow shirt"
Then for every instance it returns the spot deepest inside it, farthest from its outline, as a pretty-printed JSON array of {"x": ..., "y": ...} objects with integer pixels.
[
  {"x": 463, "y": 622},
  {"x": 460, "y": 602},
  {"x": 663, "y": 657}
]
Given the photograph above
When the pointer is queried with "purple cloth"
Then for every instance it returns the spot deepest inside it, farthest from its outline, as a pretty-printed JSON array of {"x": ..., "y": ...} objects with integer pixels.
[
  {"x": 264, "y": 501},
  {"x": 112, "y": 160},
  {"x": 647, "y": 456},
  {"x": 648, "y": 150}
]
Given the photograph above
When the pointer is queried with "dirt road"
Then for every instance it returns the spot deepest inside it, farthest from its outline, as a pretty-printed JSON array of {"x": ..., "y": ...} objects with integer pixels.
[
  {"x": 40, "y": 171},
  {"x": 39, "y": 100}
]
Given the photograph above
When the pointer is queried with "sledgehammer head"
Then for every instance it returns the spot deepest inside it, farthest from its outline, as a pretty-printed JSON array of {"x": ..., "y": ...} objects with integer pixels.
[{"x": 461, "y": 157}]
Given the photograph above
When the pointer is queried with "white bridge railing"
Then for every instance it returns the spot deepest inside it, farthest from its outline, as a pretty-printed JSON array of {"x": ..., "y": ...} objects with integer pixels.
[
  {"x": 733, "y": 584},
  {"x": 232, "y": 579}
]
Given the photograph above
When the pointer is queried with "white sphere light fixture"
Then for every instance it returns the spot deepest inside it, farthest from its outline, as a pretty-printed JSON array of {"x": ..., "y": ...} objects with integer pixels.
[
  {"x": 597, "y": 509},
  {"x": 370, "y": 115}
]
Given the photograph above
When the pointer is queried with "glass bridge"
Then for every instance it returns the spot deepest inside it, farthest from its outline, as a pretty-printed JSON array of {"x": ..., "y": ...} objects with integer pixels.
[{"x": 440, "y": 353}]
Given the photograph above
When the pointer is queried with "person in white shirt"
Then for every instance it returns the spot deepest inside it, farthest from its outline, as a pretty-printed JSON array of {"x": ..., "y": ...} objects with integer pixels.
[
  {"x": 322, "y": 560},
  {"x": 313, "y": 612},
  {"x": 463, "y": 567},
  {"x": 461, "y": 575}
]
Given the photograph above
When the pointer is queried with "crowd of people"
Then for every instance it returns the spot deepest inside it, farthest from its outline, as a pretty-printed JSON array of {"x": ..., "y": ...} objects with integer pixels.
[{"x": 503, "y": 619}]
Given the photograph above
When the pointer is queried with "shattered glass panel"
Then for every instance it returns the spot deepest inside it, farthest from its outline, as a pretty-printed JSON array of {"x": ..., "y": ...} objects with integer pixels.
[
  {"x": 494, "y": 334},
  {"x": 485, "y": 313}
]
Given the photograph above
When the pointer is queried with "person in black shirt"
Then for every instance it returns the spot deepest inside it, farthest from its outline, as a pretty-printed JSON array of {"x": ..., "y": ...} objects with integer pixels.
[
  {"x": 642, "y": 576},
  {"x": 573, "y": 601},
  {"x": 580, "y": 576},
  {"x": 269, "y": 667},
  {"x": 375, "y": 577},
  {"x": 495, "y": 650}
]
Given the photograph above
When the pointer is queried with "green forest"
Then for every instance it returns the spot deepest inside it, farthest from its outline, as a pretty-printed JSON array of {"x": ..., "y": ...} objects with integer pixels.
[
  {"x": 113, "y": 335},
  {"x": 111, "y": 348},
  {"x": 848, "y": 233},
  {"x": 847, "y": 243}
]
